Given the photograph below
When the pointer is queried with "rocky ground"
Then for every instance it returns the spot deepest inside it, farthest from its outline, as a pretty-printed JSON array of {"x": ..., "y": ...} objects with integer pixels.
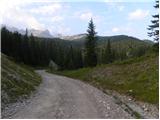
[{"x": 145, "y": 110}]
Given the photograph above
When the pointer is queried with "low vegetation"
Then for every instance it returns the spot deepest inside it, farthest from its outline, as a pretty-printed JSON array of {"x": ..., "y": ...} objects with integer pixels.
[
  {"x": 136, "y": 77},
  {"x": 17, "y": 80}
]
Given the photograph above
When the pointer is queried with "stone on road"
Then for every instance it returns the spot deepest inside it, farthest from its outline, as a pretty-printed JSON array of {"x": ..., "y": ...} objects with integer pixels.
[{"x": 63, "y": 97}]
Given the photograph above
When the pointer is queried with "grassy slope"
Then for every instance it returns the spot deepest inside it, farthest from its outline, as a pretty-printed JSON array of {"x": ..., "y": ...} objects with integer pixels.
[
  {"x": 16, "y": 80},
  {"x": 137, "y": 77}
]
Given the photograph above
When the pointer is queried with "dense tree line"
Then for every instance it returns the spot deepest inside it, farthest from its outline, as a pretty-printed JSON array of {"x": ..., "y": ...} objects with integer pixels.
[
  {"x": 38, "y": 52},
  {"x": 107, "y": 54}
]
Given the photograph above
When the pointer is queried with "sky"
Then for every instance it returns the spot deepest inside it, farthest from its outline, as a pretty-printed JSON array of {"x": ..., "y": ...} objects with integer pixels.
[{"x": 69, "y": 17}]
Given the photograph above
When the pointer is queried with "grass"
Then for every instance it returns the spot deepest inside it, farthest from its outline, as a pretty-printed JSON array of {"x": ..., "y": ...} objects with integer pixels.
[
  {"x": 136, "y": 77},
  {"x": 17, "y": 80}
]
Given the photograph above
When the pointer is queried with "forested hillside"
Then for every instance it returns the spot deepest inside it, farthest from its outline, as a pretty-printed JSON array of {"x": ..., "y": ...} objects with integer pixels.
[
  {"x": 67, "y": 54},
  {"x": 38, "y": 52}
]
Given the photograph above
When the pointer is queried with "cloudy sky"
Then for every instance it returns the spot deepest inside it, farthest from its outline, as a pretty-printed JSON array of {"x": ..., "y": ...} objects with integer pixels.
[{"x": 129, "y": 17}]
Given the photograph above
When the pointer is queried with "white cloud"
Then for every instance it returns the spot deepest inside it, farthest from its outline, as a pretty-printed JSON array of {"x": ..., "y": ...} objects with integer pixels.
[
  {"x": 138, "y": 14},
  {"x": 57, "y": 18},
  {"x": 20, "y": 19},
  {"x": 36, "y": 14},
  {"x": 20, "y": 15},
  {"x": 86, "y": 16},
  {"x": 60, "y": 29},
  {"x": 121, "y": 8},
  {"x": 64, "y": 30},
  {"x": 15, "y": 15},
  {"x": 113, "y": 0},
  {"x": 122, "y": 29},
  {"x": 115, "y": 29},
  {"x": 131, "y": 1},
  {"x": 47, "y": 9}
]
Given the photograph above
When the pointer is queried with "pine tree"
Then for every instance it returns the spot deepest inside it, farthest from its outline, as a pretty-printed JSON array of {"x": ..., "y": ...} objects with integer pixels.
[
  {"x": 154, "y": 28},
  {"x": 16, "y": 46},
  {"x": 90, "y": 45},
  {"x": 32, "y": 45},
  {"x": 107, "y": 56},
  {"x": 71, "y": 58},
  {"x": 61, "y": 58},
  {"x": 78, "y": 62},
  {"x": 5, "y": 37},
  {"x": 25, "y": 48}
]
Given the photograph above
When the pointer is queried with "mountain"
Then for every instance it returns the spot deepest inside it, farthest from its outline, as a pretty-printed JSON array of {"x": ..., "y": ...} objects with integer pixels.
[
  {"x": 148, "y": 41},
  {"x": 35, "y": 32},
  {"x": 122, "y": 41},
  {"x": 74, "y": 37},
  {"x": 100, "y": 39},
  {"x": 79, "y": 39},
  {"x": 40, "y": 33},
  {"x": 118, "y": 42}
]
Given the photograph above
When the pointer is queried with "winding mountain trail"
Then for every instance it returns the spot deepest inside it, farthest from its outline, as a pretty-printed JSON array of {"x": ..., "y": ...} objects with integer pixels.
[{"x": 62, "y": 97}]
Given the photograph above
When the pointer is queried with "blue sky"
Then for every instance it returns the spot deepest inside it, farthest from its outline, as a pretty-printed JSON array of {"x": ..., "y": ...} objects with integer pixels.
[{"x": 70, "y": 17}]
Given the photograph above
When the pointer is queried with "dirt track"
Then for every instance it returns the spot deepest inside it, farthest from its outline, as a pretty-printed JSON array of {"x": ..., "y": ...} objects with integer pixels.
[{"x": 62, "y": 97}]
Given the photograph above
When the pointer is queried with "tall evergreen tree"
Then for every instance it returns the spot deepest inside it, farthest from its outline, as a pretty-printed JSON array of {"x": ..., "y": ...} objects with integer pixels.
[
  {"x": 71, "y": 59},
  {"x": 16, "y": 48},
  {"x": 154, "y": 28},
  {"x": 90, "y": 46},
  {"x": 25, "y": 48},
  {"x": 32, "y": 45},
  {"x": 78, "y": 59},
  {"x": 107, "y": 56},
  {"x": 6, "y": 38}
]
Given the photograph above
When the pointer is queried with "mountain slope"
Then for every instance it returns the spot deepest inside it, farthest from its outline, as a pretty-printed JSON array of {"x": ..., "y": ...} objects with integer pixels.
[
  {"x": 40, "y": 33},
  {"x": 117, "y": 42},
  {"x": 35, "y": 32},
  {"x": 120, "y": 42},
  {"x": 74, "y": 37},
  {"x": 17, "y": 80},
  {"x": 136, "y": 77},
  {"x": 148, "y": 41}
]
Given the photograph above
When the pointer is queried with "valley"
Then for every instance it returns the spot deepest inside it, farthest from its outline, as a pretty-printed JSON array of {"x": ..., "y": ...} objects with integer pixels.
[
  {"x": 133, "y": 73},
  {"x": 79, "y": 60}
]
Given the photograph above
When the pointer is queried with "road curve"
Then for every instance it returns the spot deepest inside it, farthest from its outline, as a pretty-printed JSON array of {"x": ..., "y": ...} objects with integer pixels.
[{"x": 63, "y": 97}]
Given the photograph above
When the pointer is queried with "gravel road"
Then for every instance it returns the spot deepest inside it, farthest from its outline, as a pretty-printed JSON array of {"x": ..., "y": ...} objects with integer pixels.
[{"x": 62, "y": 97}]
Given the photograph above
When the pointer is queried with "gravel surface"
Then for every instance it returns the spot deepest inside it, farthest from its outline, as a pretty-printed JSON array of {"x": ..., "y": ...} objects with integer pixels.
[
  {"x": 145, "y": 110},
  {"x": 62, "y": 97}
]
